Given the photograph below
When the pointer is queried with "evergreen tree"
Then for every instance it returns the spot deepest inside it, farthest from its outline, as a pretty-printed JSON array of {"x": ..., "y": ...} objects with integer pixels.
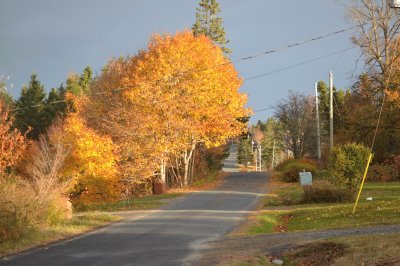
[
  {"x": 339, "y": 97},
  {"x": 55, "y": 105},
  {"x": 31, "y": 115},
  {"x": 208, "y": 23},
  {"x": 85, "y": 79},
  {"x": 274, "y": 135},
  {"x": 78, "y": 84},
  {"x": 245, "y": 152}
]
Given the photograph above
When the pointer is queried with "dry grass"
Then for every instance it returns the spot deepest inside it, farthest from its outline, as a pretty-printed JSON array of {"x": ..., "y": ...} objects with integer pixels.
[
  {"x": 44, "y": 235},
  {"x": 381, "y": 249}
]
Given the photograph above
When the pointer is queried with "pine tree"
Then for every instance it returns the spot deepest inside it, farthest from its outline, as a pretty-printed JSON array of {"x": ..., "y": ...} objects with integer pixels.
[
  {"x": 79, "y": 84},
  {"x": 31, "y": 115},
  {"x": 55, "y": 105},
  {"x": 85, "y": 79},
  {"x": 245, "y": 152},
  {"x": 208, "y": 23}
]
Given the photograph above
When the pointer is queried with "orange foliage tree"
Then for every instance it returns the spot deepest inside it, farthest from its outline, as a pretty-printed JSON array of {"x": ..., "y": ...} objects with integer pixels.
[
  {"x": 91, "y": 163},
  {"x": 12, "y": 142},
  {"x": 179, "y": 92}
]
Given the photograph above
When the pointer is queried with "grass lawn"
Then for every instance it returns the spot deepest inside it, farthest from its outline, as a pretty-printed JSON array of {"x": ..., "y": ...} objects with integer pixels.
[{"x": 383, "y": 209}]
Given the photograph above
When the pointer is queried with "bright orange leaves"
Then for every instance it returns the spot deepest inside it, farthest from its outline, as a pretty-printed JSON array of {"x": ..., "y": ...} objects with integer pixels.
[
  {"x": 181, "y": 90},
  {"x": 91, "y": 163},
  {"x": 12, "y": 142}
]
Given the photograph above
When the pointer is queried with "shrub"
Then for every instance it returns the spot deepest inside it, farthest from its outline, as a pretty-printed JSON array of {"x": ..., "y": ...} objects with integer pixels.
[
  {"x": 15, "y": 208},
  {"x": 290, "y": 169},
  {"x": 383, "y": 173},
  {"x": 326, "y": 194},
  {"x": 347, "y": 163}
]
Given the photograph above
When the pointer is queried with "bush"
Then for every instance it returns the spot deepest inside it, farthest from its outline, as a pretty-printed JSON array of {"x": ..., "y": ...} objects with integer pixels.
[
  {"x": 347, "y": 163},
  {"x": 326, "y": 194},
  {"x": 383, "y": 173},
  {"x": 37, "y": 197},
  {"x": 388, "y": 171},
  {"x": 15, "y": 209},
  {"x": 290, "y": 169}
]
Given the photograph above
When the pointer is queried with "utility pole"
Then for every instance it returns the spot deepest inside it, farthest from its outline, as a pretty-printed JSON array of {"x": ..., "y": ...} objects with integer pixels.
[
  {"x": 273, "y": 156},
  {"x": 330, "y": 111},
  {"x": 259, "y": 156},
  {"x": 318, "y": 129}
]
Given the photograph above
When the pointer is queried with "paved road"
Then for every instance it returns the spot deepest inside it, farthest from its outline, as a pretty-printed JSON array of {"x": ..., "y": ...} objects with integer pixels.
[
  {"x": 230, "y": 163},
  {"x": 174, "y": 235}
]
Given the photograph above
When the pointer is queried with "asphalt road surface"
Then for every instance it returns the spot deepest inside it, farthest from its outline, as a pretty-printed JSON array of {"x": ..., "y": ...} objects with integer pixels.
[{"x": 174, "y": 235}]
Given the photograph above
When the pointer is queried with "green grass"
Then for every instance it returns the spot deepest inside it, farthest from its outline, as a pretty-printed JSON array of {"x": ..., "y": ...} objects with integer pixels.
[
  {"x": 256, "y": 261},
  {"x": 139, "y": 203},
  {"x": 383, "y": 209},
  {"x": 266, "y": 223},
  {"x": 210, "y": 179},
  {"x": 43, "y": 235},
  {"x": 290, "y": 194}
]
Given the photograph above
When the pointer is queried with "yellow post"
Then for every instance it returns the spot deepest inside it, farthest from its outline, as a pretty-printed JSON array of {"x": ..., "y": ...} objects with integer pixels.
[{"x": 362, "y": 182}]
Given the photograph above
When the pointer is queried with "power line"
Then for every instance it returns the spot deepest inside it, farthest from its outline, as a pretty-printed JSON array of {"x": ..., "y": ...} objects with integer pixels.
[
  {"x": 298, "y": 64},
  {"x": 265, "y": 109},
  {"x": 279, "y": 48},
  {"x": 235, "y": 61},
  {"x": 293, "y": 44}
]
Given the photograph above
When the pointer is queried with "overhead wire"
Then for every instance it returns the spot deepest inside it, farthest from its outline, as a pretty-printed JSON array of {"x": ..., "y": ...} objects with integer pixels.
[
  {"x": 299, "y": 43},
  {"x": 298, "y": 64}
]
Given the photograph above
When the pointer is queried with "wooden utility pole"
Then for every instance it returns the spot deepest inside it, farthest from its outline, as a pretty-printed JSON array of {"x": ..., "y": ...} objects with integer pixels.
[
  {"x": 330, "y": 111},
  {"x": 259, "y": 150},
  {"x": 273, "y": 156},
  {"x": 318, "y": 129}
]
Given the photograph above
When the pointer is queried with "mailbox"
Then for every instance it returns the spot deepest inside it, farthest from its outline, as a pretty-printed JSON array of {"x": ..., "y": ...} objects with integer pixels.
[{"x": 305, "y": 178}]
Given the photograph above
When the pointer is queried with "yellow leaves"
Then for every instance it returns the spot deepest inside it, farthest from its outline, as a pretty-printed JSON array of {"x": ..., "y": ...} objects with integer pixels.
[
  {"x": 181, "y": 90},
  {"x": 91, "y": 162}
]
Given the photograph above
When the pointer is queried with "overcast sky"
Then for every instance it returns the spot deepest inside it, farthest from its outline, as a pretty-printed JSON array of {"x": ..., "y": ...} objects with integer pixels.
[{"x": 53, "y": 38}]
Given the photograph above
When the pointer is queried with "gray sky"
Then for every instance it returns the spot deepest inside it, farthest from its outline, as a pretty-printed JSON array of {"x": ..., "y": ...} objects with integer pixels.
[{"x": 54, "y": 38}]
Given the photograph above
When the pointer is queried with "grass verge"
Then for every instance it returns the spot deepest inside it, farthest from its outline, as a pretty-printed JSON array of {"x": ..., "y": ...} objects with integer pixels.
[
  {"x": 139, "y": 203},
  {"x": 384, "y": 208},
  {"x": 44, "y": 235},
  {"x": 88, "y": 218},
  {"x": 377, "y": 249}
]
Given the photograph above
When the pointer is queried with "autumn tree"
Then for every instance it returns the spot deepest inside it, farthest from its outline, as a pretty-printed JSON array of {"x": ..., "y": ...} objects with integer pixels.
[
  {"x": 378, "y": 29},
  {"x": 12, "y": 142},
  {"x": 296, "y": 115},
  {"x": 91, "y": 163},
  {"x": 179, "y": 92},
  {"x": 208, "y": 23},
  {"x": 5, "y": 97}
]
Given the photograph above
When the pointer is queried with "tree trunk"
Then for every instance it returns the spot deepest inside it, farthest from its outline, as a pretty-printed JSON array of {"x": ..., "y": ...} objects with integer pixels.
[
  {"x": 186, "y": 159},
  {"x": 192, "y": 164},
  {"x": 162, "y": 171}
]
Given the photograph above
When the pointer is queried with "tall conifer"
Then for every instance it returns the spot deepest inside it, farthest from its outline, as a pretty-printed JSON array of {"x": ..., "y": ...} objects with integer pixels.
[{"x": 210, "y": 24}]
